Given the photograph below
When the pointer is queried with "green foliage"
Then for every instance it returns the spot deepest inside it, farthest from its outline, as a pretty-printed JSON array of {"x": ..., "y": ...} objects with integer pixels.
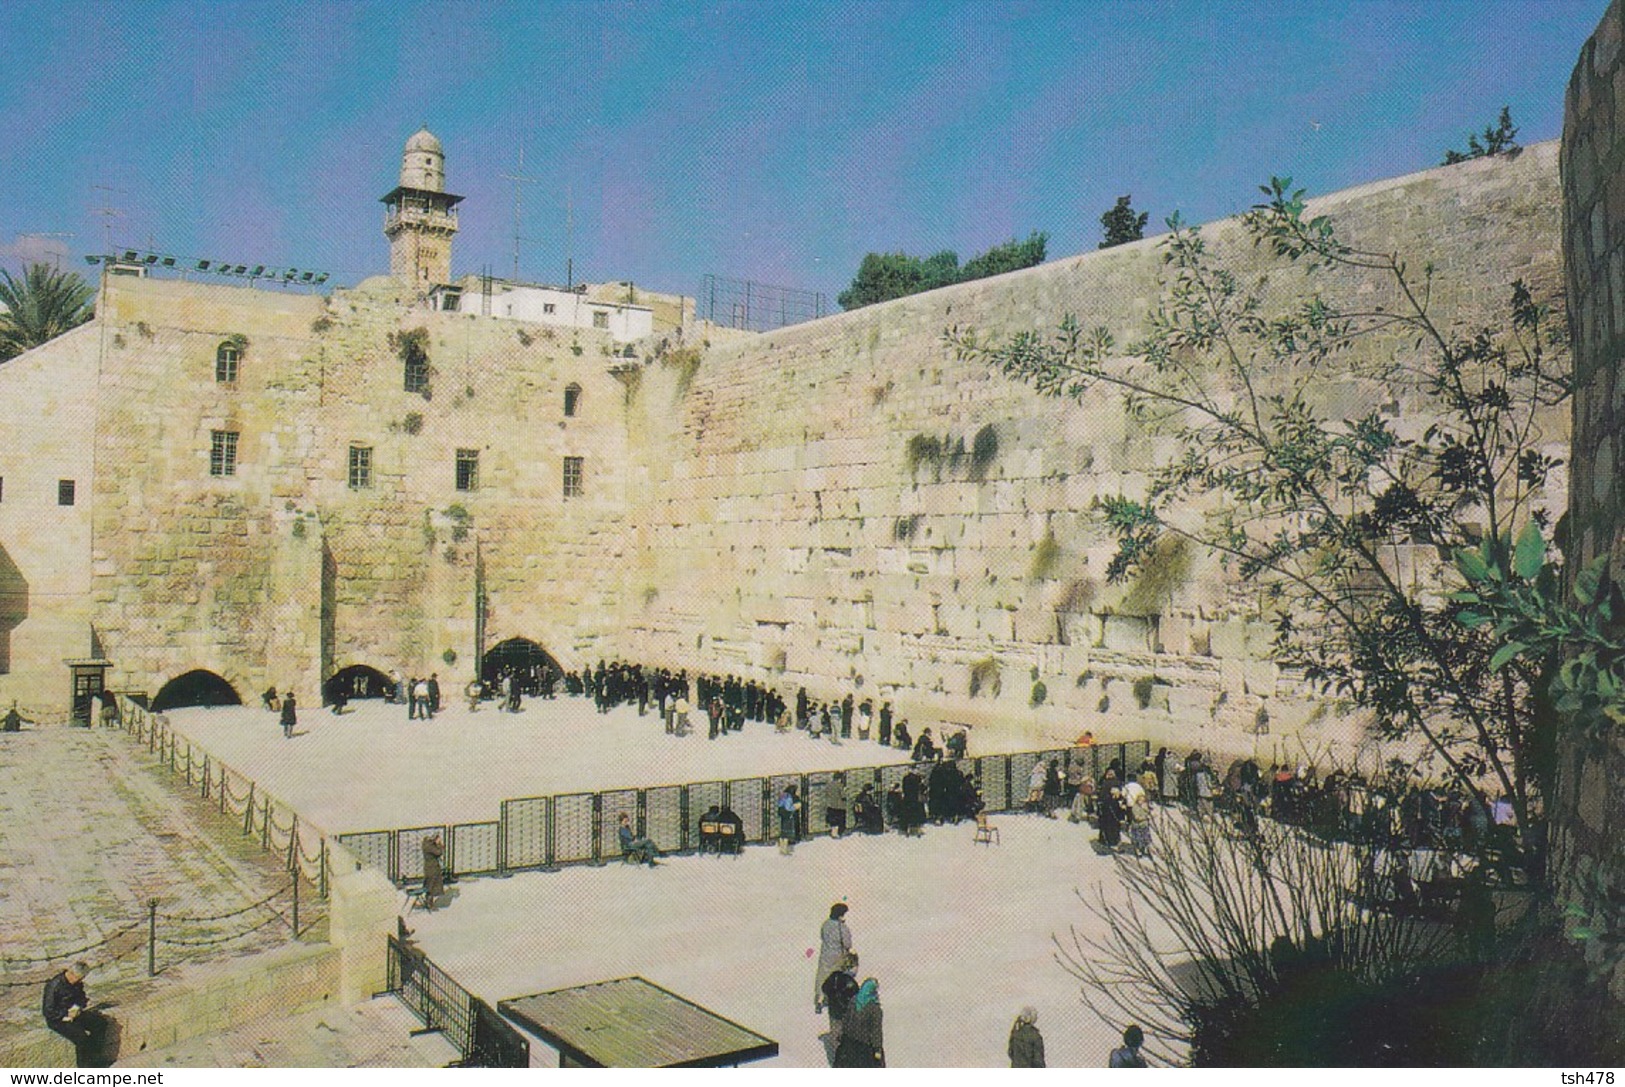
[
  {"x": 884, "y": 276},
  {"x": 460, "y": 520},
  {"x": 1565, "y": 645},
  {"x": 686, "y": 361},
  {"x": 412, "y": 345},
  {"x": 1500, "y": 140},
  {"x": 905, "y": 527},
  {"x": 413, "y": 423},
  {"x": 321, "y": 324},
  {"x": 1142, "y": 691},
  {"x": 525, "y": 338},
  {"x": 449, "y": 656},
  {"x": 1046, "y": 556},
  {"x": 923, "y": 449},
  {"x": 1317, "y": 510},
  {"x": 984, "y": 449},
  {"x": 40, "y": 306},
  {"x": 1122, "y": 223},
  {"x": 1040, "y": 693},
  {"x": 1162, "y": 569},
  {"x": 984, "y": 676}
]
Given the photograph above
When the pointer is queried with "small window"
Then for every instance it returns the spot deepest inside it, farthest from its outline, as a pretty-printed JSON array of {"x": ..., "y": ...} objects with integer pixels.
[
  {"x": 468, "y": 469},
  {"x": 572, "y": 399},
  {"x": 360, "y": 467},
  {"x": 64, "y": 492},
  {"x": 600, "y": 319},
  {"x": 225, "y": 363},
  {"x": 222, "y": 452},
  {"x": 417, "y": 368},
  {"x": 2, "y": 488},
  {"x": 572, "y": 477},
  {"x": 548, "y": 307}
]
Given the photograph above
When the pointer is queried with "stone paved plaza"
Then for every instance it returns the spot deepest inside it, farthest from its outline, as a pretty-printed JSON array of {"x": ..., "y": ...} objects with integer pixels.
[
  {"x": 459, "y": 767},
  {"x": 958, "y": 935},
  {"x": 89, "y": 832}
]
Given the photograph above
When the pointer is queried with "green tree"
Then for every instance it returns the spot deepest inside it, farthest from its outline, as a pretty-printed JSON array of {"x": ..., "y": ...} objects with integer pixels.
[
  {"x": 1335, "y": 518},
  {"x": 1500, "y": 140},
  {"x": 1122, "y": 223},
  {"x": 884, "y": 276},
  {"x": 39, "y": 307},
  {"x": 1009, "y": 257}
]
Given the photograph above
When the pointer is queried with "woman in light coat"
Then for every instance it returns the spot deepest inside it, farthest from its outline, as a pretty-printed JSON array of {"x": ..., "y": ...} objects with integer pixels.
[{"x": 834, "y": 945}]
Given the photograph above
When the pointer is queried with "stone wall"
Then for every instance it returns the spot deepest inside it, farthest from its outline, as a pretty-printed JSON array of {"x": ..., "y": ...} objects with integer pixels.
[
  {"x": 782, "y": 528},
  {"x": 1589, "y": 821}
]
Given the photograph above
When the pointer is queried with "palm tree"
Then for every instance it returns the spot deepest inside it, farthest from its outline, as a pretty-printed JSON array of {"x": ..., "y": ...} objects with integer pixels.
[{"x": 39, "y": 307}]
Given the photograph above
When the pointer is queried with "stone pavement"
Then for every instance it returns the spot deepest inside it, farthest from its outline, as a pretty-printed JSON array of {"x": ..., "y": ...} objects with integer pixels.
[
  {"x": 376, "y": 1034},
  {"x": 90, "y": 830}
]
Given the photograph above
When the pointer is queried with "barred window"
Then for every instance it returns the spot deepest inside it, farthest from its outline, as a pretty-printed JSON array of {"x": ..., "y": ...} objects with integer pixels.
[
  {"x": 360, "y": 467},
  {"x": 222, "y": 452},
  {"x": 600, "y": 319},
  {"x": 225, "y": 363},
  {"x": 64, "y": 492},
  {"x": 572, "y": 477},
  {"x": 468, "y": 469},
  {"x": 572, "y": 398}
]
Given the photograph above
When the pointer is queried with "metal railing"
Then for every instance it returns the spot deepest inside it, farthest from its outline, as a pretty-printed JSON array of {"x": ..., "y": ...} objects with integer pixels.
[
  {"x": 546, "y": 832},
  {"x": 482, "y": 1038}
]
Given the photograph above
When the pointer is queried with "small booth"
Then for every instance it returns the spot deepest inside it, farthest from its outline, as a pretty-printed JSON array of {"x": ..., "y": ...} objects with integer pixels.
[{"x": 634, "y": 1023}]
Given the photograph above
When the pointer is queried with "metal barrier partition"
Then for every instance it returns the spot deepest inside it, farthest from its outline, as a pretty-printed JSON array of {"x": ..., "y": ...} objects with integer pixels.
[
  {"x": 745, "y": 798},
  {"x": 375, "y": 848},
  {"x": 482, "y": 1038},
  {"x": 820, "y": 788},
  {"x": 663, "y": 817},
  {"x": 612, "y": 803},
  {"x": 1021, "y": 778},
  {"x": 700, "y": 798},
  {"x": 409, "y": 851},
  {"x": 525, "y": 839},
  {"x": 573, "y": 838},
  {"x": 993, "y": 771},
  {"x": 472, "y": 848}
]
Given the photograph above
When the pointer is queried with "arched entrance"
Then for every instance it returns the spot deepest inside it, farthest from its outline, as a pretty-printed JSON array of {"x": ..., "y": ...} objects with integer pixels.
[
  {"x": 356, "y": 681},
  {"x": 529, "y": 661},
  {"x": 199, "y": 687}
]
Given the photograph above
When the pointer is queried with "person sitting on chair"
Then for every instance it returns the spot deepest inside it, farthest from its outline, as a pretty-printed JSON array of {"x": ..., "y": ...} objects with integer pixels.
[
  {"x": 709, "y": 826},
  {"x": 635, "y": 848},
  {"x": 735, "y": 840}
]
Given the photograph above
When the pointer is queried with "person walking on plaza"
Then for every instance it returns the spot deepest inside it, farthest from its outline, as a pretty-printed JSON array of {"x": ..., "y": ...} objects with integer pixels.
[
  {"x": 434, "y": 875},
  {"x": 863, "y": 1042},
  {"x": 834, "y": 948},
  {"x": 1128, "y": 1055},
  {"x": 67, "y": 1012},
  {"x": 1026, "y": 1048},
  {"x": 839, "y": 990},
  {"x": 290, "y": 715},
  {"x": 472, "y": 692}
]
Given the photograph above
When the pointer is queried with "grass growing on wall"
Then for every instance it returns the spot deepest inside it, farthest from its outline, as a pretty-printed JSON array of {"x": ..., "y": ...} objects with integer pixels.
[
  {"x": 1165, "y": 570},
  {"x": 984, "y": 676},
  {"x": 1046, "y": 556},
  {"x": 686, "y": 361}
]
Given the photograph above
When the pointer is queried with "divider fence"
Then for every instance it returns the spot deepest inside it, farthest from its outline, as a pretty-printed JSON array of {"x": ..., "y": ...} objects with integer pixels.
[
  {"x": 546, "y": 832},
  {"x": 482, "y": 1038}
]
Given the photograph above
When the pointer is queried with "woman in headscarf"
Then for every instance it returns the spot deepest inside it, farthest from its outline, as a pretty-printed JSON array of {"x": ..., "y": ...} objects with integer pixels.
[
  {"x": 862, "y": 1041},
  {"x": 834, "y": 945},
  {"x": 1110, "y": 817},
  {"x": 1026, "y": 1046}
]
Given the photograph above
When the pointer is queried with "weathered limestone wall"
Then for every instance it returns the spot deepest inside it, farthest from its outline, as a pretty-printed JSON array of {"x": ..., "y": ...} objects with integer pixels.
[
  {"x": 781, "y": 530},
  {"x": 46, "y": 435},
  {"x": 1590, "y": 810},
  {"x": 282, "y": 573}
]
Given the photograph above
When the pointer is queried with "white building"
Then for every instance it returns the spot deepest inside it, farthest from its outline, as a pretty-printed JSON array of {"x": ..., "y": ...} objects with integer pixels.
[{"x": 547, "y": 306}]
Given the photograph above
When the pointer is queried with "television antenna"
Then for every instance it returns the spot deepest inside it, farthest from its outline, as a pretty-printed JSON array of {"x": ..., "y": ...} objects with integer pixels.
[{"x": 518, "y": 179}]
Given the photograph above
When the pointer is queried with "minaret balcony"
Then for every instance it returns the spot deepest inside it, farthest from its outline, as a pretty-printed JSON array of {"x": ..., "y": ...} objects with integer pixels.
[{"x": 402, "y": 216}]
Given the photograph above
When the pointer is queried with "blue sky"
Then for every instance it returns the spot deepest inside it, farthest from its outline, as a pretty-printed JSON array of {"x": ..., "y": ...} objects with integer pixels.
[{"x": 767, "y": 140}]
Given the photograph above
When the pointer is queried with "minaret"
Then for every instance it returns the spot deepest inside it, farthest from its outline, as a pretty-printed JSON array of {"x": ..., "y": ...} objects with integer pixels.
[{"x": 420, "y": 216}]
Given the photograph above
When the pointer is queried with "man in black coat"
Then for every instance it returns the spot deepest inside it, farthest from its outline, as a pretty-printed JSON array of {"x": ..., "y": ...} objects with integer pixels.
[{"x": 65, "y": 1007}]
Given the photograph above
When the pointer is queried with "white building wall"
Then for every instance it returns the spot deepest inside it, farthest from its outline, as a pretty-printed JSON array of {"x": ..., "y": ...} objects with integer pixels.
[{"x": 554, "y": 306}]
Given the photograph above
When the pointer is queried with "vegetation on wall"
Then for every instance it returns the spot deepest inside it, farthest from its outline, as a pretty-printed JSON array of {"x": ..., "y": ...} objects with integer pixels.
[
  {"x": 884, "y": 276},
  {"x": 984, "y": 449},
  {"x": 1046, "y": 556},
  {"x": 1309, "y": 505},
  {"x": 984, "y": 676},
  {"x": 1121, "y": 223},
  {"x": 412, "y": 346},
  {"x": 1164, "y": 569},
  {"x": 1502, "y": 139},
  {"x": 686, "y": 362}
]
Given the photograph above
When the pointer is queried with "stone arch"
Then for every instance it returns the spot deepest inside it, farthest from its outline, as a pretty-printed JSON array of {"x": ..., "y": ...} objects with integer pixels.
[
  {"x": 572, "y": 400},
  {"x": 356, "y": 681},
  {"x": 199, "y": 687},
  {"x": 532, "y": 663}
]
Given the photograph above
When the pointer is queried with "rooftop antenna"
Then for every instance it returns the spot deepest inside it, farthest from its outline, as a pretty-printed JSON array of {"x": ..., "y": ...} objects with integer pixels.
[
  {"x": 569, "y": 239},
  {"x": 517, "y": 179},
  {"x": 56, "y": 255},
  {"x": 108, "y": 214}
]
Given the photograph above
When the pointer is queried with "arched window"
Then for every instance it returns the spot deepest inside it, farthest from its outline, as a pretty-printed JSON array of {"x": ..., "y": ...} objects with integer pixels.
[
  {"x": 572, "y": 399},
  {"x": 225, "y": 363}
]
